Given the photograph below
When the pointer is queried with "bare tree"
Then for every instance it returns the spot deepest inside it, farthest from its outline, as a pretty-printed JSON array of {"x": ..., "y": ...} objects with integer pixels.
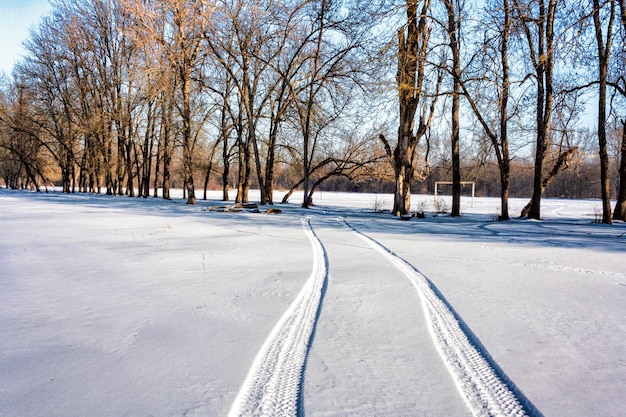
[
  {"x": 22, "y": 157},
  {"x": 47, "y": 73},
  {"x": 222, "y": 87},
  {"x": 604, "y": 43},
  {"x": 413, "y": 48},
  {"x": 236, "y": 39},
  {"x": 181, "y": 45},
  {"x": 355, "y": 159},
  {"x": 620, "y": 206},
  {"x": 563, "y": 144},
  {"x": 321, "y": 89},
  {"x": 454, "y": 10},
  {"x": 494, "y": 53},
  {"x": 537, "y": 22}
]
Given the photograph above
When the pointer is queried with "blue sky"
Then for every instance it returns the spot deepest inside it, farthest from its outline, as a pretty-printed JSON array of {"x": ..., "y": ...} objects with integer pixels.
[{"x": 17, "y": 17}]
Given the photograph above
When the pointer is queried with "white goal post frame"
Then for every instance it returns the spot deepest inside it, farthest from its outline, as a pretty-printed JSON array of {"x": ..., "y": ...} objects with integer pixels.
[{"x": 450, "y": 183}]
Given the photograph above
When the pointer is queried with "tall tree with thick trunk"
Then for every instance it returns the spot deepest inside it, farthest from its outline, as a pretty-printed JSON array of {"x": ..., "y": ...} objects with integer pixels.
[
  {"x": 620, "y": 206},
  {"x": 412, "y": 53},
  {"x": 539, "y": 32},
  {"x": 453, "y": 30},
  {"x": 604, "y": 44}
]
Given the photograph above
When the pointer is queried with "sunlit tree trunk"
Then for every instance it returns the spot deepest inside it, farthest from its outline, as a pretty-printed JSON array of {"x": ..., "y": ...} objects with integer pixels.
[{"x": 412, "y": 52}]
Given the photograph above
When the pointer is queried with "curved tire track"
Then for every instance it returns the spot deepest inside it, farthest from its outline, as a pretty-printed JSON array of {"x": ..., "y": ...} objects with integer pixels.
[
  {"x": 485, "y": 388},
  {"x": 273, "y": 384}
]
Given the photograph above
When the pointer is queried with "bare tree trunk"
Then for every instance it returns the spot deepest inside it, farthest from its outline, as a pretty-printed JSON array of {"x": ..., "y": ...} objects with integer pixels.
[
  {"x": 146, "y": 151},
  {"x": 167, "y": 158},
  {"x": 453, "y": 31},
  {"x": 157, "y": 167},
  {"x": 403, "y": 169},
  {"x": 187, "y": 140},
  {"x": 226, "y": 171},
  {"x": 241, "y": 174},
  {"x": 291, "y": 191},
  {"x": 210, "y": 167},
  {"x": 247, "y": 170},
  {"x": 108, "y": 157},
  {"x": 604, "y": 54},
  {"x": 504, "y": 161},
  {"x": 307, "y": 120},
  {"x": 130, "y": 188},
  {"x": 269, "y": 174},
  {"x": 159, "y": 152},
  {"x": 543, "y": 63},
  {"x": 207, "y": 177},
  {"x": 120, "y": 163},
  {"x": 225, "y": 154},
  {"x": 562, "y": 160},
  {"x": 499, "y": 142},
  {"x": 412, "y": 50},
  {"x": 620, "y": 207},
  {"x": 165, "y": 136},
  {"x": 504, "y": 196}
]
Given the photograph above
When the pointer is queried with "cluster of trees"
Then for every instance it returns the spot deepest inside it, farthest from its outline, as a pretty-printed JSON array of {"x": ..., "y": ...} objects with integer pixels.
[
  {"x": 117, "y": 92},
  {"x": 125, "y": 95}
]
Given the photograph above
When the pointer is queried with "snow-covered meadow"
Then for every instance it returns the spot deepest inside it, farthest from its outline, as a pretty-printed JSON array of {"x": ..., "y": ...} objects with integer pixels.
[{"x": 117, "y": 306}]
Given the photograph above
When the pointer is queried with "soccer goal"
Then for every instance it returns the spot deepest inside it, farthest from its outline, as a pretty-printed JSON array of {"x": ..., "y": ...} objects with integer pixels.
[{"x": 463, "y": 183}]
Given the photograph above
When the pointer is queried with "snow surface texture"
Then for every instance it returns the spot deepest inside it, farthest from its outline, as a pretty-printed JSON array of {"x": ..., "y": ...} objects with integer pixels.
[
  {"x": 118, "y": 306},
  {"x": 485, "y": 392},
  {"x": 272, "y": 386}
]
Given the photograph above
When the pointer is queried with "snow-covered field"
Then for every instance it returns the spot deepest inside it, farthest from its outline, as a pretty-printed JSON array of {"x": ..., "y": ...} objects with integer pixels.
[{"x": 112, "y": 306}]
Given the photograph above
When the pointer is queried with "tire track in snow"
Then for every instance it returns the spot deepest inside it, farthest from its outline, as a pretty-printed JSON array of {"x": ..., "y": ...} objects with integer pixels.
[
  {"x": 484, "y": 386},
  {"x": 273, "y": 384}
]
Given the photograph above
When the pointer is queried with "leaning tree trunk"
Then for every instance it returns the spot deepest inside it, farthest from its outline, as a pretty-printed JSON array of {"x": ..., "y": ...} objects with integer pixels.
[
  {"x": 207, "y": 176},
  {"x": 563, "y": 157},
  {"x": 291, "y": 191}
]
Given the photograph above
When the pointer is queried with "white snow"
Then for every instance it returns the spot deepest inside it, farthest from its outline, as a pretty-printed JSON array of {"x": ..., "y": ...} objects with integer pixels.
[{"x": 117, "y": 306}]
